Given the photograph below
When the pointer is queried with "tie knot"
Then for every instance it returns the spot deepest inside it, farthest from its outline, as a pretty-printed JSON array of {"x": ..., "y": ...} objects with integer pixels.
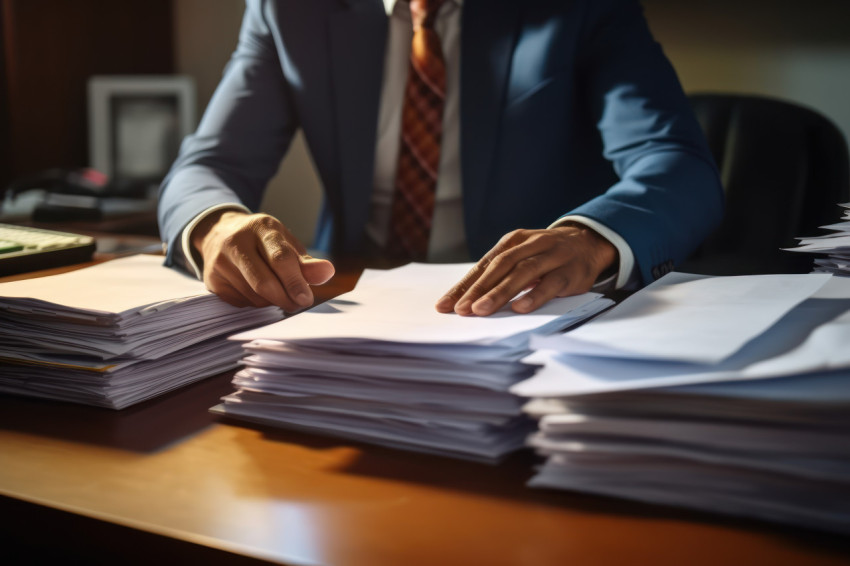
[{"x": 424, "y": 12}]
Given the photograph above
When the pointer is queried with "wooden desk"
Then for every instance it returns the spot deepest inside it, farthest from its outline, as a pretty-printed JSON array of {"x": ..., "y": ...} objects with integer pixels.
[{"x": 166, "y": 481}]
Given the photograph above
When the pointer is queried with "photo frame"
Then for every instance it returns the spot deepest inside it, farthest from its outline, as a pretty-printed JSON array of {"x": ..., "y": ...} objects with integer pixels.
[{"x": 136, "y": 124}]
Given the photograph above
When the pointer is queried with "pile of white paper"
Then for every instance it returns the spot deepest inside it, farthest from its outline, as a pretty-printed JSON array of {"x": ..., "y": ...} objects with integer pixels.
[
  {"x": 727, "y": 394},
  {"x": 380, "y": 364},
  {"x": 116, "y": 333},
  {"x": 836, "y": 246}
]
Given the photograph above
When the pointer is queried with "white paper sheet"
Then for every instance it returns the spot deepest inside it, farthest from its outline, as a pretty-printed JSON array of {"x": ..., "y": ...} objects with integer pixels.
[
  {"x": 813, "y": 337},
  {"x": 126, "y": 284},
  {"x": 398, "y": 306},
  {"x": 683, "y": 317}
]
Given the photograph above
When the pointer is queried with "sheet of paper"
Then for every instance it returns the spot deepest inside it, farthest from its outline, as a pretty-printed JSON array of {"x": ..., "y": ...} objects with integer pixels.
[
  {"x": 811, "y": 338},
  {"x": 398, "y": 306},
  {"x": 112, "y": 287},
  {"x": 116, "y": 333},
  {"x": 717, "y": 488},
  {"x": 380, "y": 364},
  {"x": 683, "y": 317}
]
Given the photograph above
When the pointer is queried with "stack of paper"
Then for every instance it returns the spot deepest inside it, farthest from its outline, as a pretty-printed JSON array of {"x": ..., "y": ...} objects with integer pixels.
[
  {"x": 836, "y": 246},
  {"x": 379, "y": 364},
  {"x": 724, "y": 394},
  {"x": 116, "y": 333}
]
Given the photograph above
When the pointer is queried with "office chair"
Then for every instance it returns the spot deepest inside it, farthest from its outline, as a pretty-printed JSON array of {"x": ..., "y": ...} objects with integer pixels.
[{"x": 784, "y": 169}]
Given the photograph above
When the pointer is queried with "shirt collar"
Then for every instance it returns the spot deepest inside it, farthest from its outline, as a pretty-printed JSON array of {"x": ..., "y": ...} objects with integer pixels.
[{"x": 390, "y": 4}]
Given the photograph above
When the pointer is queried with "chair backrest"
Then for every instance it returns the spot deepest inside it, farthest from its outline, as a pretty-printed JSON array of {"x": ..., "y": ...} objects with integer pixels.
[{"x": 784, "y": 168}]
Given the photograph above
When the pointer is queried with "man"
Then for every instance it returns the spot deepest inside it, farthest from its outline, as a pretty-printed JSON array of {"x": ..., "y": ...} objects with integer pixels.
[{"x": 567, "y": 155}]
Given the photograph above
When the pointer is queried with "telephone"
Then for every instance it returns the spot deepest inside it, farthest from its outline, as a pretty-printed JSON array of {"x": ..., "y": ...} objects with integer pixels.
[{"x": 74, "y": 194}]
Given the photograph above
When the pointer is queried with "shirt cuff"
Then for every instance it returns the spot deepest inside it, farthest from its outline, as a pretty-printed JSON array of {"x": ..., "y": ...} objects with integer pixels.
[
  {"x": 627, "y": 257},
  {"x": 192, "y": 257}
]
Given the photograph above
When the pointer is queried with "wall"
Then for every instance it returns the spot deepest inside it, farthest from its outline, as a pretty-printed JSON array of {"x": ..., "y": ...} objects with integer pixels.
[
  {"x": 48, "y": 51},
  {"x": 780, "y": 48},
  {"x": 789, "y": 49}
]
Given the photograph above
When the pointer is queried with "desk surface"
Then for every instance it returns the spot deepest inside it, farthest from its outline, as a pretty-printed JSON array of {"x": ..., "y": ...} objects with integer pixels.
[{"x": 170, "y": 471}]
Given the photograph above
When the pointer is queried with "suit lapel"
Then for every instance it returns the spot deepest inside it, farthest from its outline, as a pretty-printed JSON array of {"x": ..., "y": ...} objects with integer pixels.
[
  {"x": 358, "y": 35},
  {"x": 489, "y": 33}
]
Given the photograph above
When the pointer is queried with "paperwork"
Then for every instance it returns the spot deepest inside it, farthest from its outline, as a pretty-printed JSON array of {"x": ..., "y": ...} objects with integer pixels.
[
  {"x": 379, "y": 364},
  {"x": 761, "y": 433},
  {"x": 809, "y": 338},
  {"x": 690, "y": 318},
  {"x": 836, "y": 246},
  {"x": 116, "y": 333}
]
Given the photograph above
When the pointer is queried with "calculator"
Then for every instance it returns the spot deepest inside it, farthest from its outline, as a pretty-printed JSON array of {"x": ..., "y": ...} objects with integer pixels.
[{"x": 23, "y": 248}]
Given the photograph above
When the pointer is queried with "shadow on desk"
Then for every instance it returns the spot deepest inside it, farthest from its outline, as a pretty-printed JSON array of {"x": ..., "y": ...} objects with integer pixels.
[{"x": 147, "y": 427}]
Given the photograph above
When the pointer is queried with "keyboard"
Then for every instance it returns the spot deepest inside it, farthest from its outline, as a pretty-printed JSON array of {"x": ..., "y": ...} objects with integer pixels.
[{"x": 23, "y": 249}]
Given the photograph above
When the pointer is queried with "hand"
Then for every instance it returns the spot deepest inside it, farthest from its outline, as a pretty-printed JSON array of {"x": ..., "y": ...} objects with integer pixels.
[
  {"x": 555, "y": 262},
  {"x": 252, "y": 259}
]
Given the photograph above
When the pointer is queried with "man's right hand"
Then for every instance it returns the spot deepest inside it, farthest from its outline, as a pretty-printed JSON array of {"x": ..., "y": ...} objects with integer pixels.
[{"x": 252, "y": 259}]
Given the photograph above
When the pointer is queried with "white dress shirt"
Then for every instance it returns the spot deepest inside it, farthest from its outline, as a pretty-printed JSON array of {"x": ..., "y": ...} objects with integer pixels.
[{"x": 447, "y": 241}]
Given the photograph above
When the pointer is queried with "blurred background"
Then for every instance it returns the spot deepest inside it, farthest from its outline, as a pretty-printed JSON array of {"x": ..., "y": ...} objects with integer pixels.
[{"x": 51, "y": 48}]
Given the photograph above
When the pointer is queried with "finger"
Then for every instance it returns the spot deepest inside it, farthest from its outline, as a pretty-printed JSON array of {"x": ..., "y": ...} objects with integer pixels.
[
  {"x": 316, "y": 271},
  {"x": 293, "y": 241},
  {"x": 226, "y": 292},
  {"x": 284, "y": 265},
  {"x": 244, "y": 271},
  {"x": 264, "y": 283},
  {"x": 557, "y": 283},
  {"x": 451, "y": 301},
  {"x": 509, "y": 273},
  {"x": 524, "y": 275},
  {"x": 448, "y": 302}
]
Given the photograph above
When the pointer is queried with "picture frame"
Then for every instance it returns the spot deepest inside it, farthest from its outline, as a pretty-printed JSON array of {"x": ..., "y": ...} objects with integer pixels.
[{"x": 137, "y": 122}]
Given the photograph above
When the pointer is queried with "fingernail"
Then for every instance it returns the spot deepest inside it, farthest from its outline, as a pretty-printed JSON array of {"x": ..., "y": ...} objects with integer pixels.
[
  {"x": 483, "y": 306},
  {"x": 463, "y": 307},
  {"x": 444, "y": 303}
]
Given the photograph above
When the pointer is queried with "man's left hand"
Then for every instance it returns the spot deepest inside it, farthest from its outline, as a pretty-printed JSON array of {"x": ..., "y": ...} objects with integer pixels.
[{"x": 555, "y": 262}]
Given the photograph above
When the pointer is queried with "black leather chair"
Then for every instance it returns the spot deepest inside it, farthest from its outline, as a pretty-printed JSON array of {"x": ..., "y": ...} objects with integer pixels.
[{"x": 784, "y": 168}]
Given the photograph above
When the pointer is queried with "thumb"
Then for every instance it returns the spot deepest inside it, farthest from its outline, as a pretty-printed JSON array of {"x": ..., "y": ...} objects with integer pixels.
[{"x": 316, "y": 271}]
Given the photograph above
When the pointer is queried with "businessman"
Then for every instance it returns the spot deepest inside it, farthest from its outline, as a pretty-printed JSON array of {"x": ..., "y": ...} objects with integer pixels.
[{"x": 549, "y": 139}]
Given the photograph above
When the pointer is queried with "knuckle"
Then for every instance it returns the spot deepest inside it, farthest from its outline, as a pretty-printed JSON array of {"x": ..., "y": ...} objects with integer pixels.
[
  {"x": 529, "y": 264},
  {"x": 280, "y": 254},
  {"x": 294, "y": 283},
  {"x": 264, "y": 224},
  {"x": 478, "y": 289},
  {"x": 230, "y": 240},
  {"x": 501, "y": 261},
  {"x": 514, "y": 236},
  {"x": 267, "y": 288},
  {"x": 457, "y": 291}
]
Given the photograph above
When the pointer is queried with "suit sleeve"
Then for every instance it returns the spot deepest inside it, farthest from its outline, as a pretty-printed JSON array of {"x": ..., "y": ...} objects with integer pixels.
[
  {"x": 243, "y": 135},
  {"x": 669, "y": 196}
]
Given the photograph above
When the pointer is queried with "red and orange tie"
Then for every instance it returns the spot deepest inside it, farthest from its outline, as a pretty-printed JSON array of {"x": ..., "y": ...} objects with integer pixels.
[{"x": 421, "y": 132}]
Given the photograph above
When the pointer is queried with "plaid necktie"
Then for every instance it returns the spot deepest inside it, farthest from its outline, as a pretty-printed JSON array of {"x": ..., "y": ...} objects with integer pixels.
[{"x": 421, "y": 130}]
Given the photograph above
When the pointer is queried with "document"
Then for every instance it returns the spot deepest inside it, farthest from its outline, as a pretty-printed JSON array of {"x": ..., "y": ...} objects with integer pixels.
[
  {"x": 398, "y": 306},
  {"x": 810, "y": 338},
  {"x": 116, "y": 333},
  {"x": 689, "y": 318},
  {"x": 119, "y": 288},
  {"x": 836, "y": 246},
  {"x": 381, "y": 365},
  {"x": 761, "y": 433}
]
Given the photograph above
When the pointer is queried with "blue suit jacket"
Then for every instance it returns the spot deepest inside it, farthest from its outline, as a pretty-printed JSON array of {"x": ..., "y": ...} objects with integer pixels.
[{"x": 567, "y": 107}]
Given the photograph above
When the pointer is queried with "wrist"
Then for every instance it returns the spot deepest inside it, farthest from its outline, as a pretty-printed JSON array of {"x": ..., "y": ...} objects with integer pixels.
[{"x": 605, "y": 255}]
